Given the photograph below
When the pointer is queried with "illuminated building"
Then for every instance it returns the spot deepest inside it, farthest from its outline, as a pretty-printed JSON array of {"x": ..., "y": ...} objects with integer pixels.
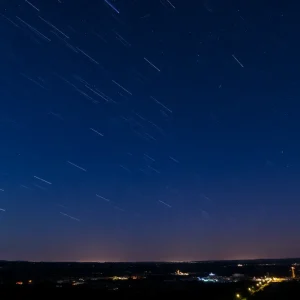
[
  {"x": 208, "y": 279},
  {"x": 119, "y": 278},
  {"x": 211, "y": 278},
  {"x": 178, "y": 273}
]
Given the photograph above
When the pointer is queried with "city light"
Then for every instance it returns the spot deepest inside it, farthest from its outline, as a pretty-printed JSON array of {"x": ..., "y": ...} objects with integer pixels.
[{"x": 179, "y": 273}]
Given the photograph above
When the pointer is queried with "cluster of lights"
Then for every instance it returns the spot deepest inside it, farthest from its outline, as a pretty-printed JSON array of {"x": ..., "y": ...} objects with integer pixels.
[
  {"x": 21, "y": 282},
  {"x": 119, "y": 278},
  {"x": 262, "y": 282},
  {"x": 181, "y": 273}
]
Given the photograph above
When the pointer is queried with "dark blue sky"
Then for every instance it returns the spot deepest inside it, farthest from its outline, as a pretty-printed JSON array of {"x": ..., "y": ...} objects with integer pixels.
[{"x": 183, "y": 117}]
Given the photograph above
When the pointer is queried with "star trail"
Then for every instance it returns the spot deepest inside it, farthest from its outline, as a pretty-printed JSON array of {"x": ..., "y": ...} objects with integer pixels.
[{"x": 149, "y": 130}]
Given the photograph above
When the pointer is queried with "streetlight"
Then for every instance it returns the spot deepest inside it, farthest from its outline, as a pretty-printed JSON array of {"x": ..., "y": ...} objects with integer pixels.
[{"x": 238, "y": 296}]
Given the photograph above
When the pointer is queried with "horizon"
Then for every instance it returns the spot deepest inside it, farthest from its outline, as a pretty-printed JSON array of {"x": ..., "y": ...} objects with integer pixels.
[{"x": 128, "y": 262}]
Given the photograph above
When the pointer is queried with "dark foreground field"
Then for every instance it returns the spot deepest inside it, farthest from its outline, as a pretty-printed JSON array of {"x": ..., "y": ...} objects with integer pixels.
[
  {"x": 163, "y": 292},
  {"x": 280, "y": 291}
]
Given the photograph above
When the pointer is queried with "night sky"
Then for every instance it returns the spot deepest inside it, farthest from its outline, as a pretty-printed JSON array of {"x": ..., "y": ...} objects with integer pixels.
[{"x": 149, "y": 130}]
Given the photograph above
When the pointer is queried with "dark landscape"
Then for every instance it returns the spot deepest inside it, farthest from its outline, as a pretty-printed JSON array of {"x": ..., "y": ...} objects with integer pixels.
[{"x": 250, "y": 279}]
